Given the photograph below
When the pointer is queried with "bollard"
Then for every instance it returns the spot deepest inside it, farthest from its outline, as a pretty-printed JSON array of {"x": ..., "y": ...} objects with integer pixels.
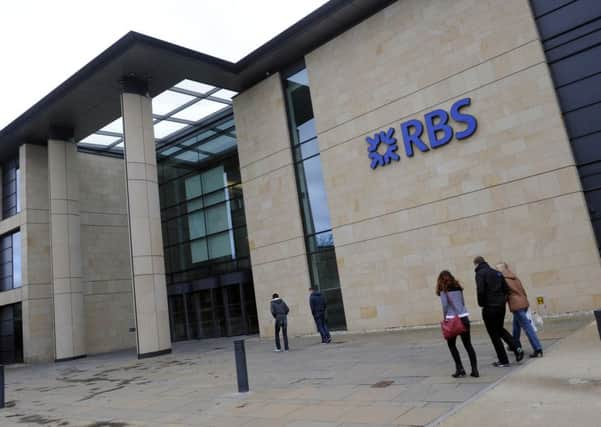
[
  {"x": 598, "y": 318},
  {"x": 241, "y": 370},
  {"x": 1, "y": 386}
]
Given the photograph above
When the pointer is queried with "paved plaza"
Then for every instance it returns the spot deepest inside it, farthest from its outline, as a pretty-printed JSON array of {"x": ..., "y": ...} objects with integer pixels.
[{"x": 399, "y": 378}]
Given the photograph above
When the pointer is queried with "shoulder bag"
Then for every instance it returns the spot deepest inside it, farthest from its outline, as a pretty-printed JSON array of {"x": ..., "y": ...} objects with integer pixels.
[{"x": 452, "y": 327}]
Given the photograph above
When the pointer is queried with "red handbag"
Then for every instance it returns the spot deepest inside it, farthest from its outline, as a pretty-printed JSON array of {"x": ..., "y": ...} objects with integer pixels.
[{"x": 452, "y": 327}]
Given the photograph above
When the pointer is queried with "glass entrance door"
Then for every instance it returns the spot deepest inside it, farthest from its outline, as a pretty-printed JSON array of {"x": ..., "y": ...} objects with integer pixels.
[{"x": 216, "y": 312}]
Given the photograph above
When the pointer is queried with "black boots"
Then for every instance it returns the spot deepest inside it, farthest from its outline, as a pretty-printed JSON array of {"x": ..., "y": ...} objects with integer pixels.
[
  {"x": 459, "y": 373},
  {"x": 475, "y": 373},
  {"x": 537, "y": 353},
  {"x": 519, "y": 354}
]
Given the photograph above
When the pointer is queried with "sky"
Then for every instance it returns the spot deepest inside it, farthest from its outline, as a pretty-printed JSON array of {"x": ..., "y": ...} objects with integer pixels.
[{"x": 42, "y": 43}]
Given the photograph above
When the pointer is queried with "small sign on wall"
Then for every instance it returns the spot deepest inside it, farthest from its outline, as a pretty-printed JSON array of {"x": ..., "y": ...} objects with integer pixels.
[{"x": 382, "y": 146}]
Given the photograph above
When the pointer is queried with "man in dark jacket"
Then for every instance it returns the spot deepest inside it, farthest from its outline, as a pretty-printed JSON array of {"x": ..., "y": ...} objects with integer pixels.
[
  {"x": 318, "y": 310},
  {"x": 279, "y": 311},
  {"x": 492, "y": 296}
]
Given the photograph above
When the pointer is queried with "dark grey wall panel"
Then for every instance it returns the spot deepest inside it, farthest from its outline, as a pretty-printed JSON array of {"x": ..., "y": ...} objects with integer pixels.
[{"x": 570, "y": 32}]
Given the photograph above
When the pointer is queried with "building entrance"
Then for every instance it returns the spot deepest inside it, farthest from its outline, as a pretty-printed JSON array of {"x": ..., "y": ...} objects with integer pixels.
[{"x": 209, "y": 310}]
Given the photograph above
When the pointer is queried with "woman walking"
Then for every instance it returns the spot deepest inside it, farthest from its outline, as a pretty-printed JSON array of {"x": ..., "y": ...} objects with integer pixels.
[
  {"x": 518, "y": 305},
  {"x": 451, "y": 297}
]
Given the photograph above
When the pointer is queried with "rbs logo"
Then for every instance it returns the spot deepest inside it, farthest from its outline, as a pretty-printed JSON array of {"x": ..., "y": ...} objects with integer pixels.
[{"x": 437, "y": 128}]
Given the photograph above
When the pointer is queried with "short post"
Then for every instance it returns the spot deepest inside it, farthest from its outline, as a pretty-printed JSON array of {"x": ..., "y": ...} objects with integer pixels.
[
  {"x": 241, "y": 370},
  {"x": 598, "y": 318},
  {"x": 1, "y": 386}
]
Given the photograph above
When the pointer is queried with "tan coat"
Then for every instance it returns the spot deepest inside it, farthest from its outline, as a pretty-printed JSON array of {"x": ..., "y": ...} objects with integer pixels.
[{"x": 517, "y": 300}]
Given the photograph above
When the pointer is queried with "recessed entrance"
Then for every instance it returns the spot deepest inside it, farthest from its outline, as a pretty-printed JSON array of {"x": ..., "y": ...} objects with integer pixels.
[{"x": 216, "y": 311}]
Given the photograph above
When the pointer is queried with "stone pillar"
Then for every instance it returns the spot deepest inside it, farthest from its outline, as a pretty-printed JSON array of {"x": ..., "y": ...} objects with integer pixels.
[
  {"x": 37, "y": 304},
  {"x": 69, "y": 314},
  {"x": 146, "y": 239}
]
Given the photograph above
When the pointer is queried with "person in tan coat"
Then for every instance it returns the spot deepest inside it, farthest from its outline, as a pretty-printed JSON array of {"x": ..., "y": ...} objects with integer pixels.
[{"x": 518, "y": 305}]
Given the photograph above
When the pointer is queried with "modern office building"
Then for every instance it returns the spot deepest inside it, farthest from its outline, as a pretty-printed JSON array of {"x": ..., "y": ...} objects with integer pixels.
[{"x": 160, "y": 194}]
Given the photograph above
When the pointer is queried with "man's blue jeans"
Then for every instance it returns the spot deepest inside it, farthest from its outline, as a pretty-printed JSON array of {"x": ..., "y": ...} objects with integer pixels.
[
  {"x": 322, "y": 327},
  {"x": 521, "y": 321}
]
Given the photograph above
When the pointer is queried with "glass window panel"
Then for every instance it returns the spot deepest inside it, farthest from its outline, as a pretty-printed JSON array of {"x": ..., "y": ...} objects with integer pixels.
[
  {"x": 196, "y": 225},
  {"x": 225, "y": 94},
  {"x": 217, "y": 218},
  {"x": 307, "y": 149},
  {"x": 306, "y": 131},
  {"x": 325, "y": 270},
  {"x": 198, "y": 138},
  {"x": 17, "y": 259},
  {"x": 165, "y": 128},
  {"x": 226, "y": 125},
  {"x": 199, "y": 250},
  {"x": 220, "y": 245},
  {"x": 18, "y": 190},
  {"x": 114, "y": 126},
  {"x": 320, "y": 241},
  {"x": 213, "y": 179},
  {"x": 169, "y": 101},
  {"x": 190, "y": 156},
  {"x": 218, "y": 145},
  {"x": 170, "y": 151},
  {"x": 214, "y": 198},
  {"x": 301, "y": 78},
  {"x": 200, "y": 110},
  {"x": 101, "y": 140},
  {"x": 193, "y": 186},
  {"x": 315, "y": 188},
  {"x": 194, "y": 86}
]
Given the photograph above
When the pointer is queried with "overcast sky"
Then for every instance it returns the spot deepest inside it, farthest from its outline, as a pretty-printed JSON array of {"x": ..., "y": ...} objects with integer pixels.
[{"x": 42, "y": 43}]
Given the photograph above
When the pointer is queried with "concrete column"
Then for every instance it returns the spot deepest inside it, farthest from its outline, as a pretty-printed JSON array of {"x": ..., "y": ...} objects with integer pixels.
[
  {"x": 146, "y": 239},
  {"x": 69, "y": 315}
]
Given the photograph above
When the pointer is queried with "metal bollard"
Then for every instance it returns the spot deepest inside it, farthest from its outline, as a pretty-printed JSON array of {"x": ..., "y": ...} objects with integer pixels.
[
  {"x": 1, "y": 386},
  {"x": 598, "y": 318},
  {"x": 241, "y": 370}
]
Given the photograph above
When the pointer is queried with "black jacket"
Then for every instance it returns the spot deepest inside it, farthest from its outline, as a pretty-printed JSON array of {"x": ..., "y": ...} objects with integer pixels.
[
  {"x": 279, "y": 309},
  {"x": 491, "y": 285},
  {"x": 318, "y": 304}
]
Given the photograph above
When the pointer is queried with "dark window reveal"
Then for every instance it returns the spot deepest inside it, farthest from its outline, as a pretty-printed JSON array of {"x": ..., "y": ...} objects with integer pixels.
[{"x": 319, "y": 240}]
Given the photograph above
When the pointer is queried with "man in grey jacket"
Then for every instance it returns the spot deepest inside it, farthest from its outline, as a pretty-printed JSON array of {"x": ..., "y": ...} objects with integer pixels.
[{"x": 279, "y": 311}]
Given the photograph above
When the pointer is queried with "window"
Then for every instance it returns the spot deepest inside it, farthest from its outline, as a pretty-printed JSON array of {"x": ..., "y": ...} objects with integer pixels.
[
  {"x": 10, "y": 261},
  {"x": 10, "y": 188},
  {"x": 11, "y": 334},
  {"x": 319, "y": 240}
]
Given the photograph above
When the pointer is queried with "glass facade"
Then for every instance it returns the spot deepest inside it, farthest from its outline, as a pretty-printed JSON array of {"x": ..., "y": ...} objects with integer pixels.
[
  {"x": 10, "y": 188},
  {"x": 10, "y": 261},
  {"x": 319, "y": 239},
  {"x": 11, "y": 334},
  {"x": 204, "y": 234}
]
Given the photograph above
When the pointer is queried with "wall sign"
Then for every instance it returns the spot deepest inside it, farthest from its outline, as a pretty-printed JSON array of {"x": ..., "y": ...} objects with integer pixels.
[{"x": 437, "y": 128}]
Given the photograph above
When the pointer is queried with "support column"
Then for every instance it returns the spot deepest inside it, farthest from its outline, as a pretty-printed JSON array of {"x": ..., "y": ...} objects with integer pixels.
[
  {"x": 69, "y": 315},
  {"x": 146, "y": 239}
]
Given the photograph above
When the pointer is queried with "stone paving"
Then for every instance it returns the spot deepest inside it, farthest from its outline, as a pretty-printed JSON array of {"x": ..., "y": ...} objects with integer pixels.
[{"x": 399, "y": 378}]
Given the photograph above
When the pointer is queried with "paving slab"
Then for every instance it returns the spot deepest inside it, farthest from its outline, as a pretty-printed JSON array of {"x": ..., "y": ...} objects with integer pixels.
[{"x": 369, "y": 380}]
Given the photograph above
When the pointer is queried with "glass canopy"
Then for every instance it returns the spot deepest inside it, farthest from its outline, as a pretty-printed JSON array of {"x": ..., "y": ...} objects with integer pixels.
[{"x": 175, "y": 111}]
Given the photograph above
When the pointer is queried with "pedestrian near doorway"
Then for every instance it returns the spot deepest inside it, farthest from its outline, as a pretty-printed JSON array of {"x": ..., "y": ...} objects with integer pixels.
[
  {"x": 279, "y": 311},
  {"x": 450, "y": 292},
  {"x": 318, "y": 306},
  {"x": 492, "y": 297},
  {"x": 518, "y": 305}
]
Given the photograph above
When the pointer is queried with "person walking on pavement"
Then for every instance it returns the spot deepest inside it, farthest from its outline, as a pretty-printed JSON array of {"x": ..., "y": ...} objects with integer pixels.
[
  {"x": 518, "y": 305},
  {"x": 318, "y": 309},
  {"x": 492, "y": 296},
  {"x": 451, "y": 297},
  {"x": 279, "y": 311}
]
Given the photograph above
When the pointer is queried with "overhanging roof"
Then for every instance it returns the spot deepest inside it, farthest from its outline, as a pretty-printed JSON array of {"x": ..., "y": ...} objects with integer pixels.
[{"x": 91, "y": 97}]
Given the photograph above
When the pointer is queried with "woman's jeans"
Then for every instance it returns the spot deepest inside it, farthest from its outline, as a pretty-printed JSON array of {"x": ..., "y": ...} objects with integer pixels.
[
  {"x": 521, "y": 321},
  {"x": 467, "y": 343}
]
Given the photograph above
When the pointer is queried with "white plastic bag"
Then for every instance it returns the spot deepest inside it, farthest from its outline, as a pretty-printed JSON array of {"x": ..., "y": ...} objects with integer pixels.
[
  {"x": 538, "y": 320},
  {"x": 529, "y": 317}
]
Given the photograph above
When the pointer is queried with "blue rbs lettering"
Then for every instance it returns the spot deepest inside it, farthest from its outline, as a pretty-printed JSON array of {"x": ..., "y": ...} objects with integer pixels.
[{"x": 437, "y": 130}]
